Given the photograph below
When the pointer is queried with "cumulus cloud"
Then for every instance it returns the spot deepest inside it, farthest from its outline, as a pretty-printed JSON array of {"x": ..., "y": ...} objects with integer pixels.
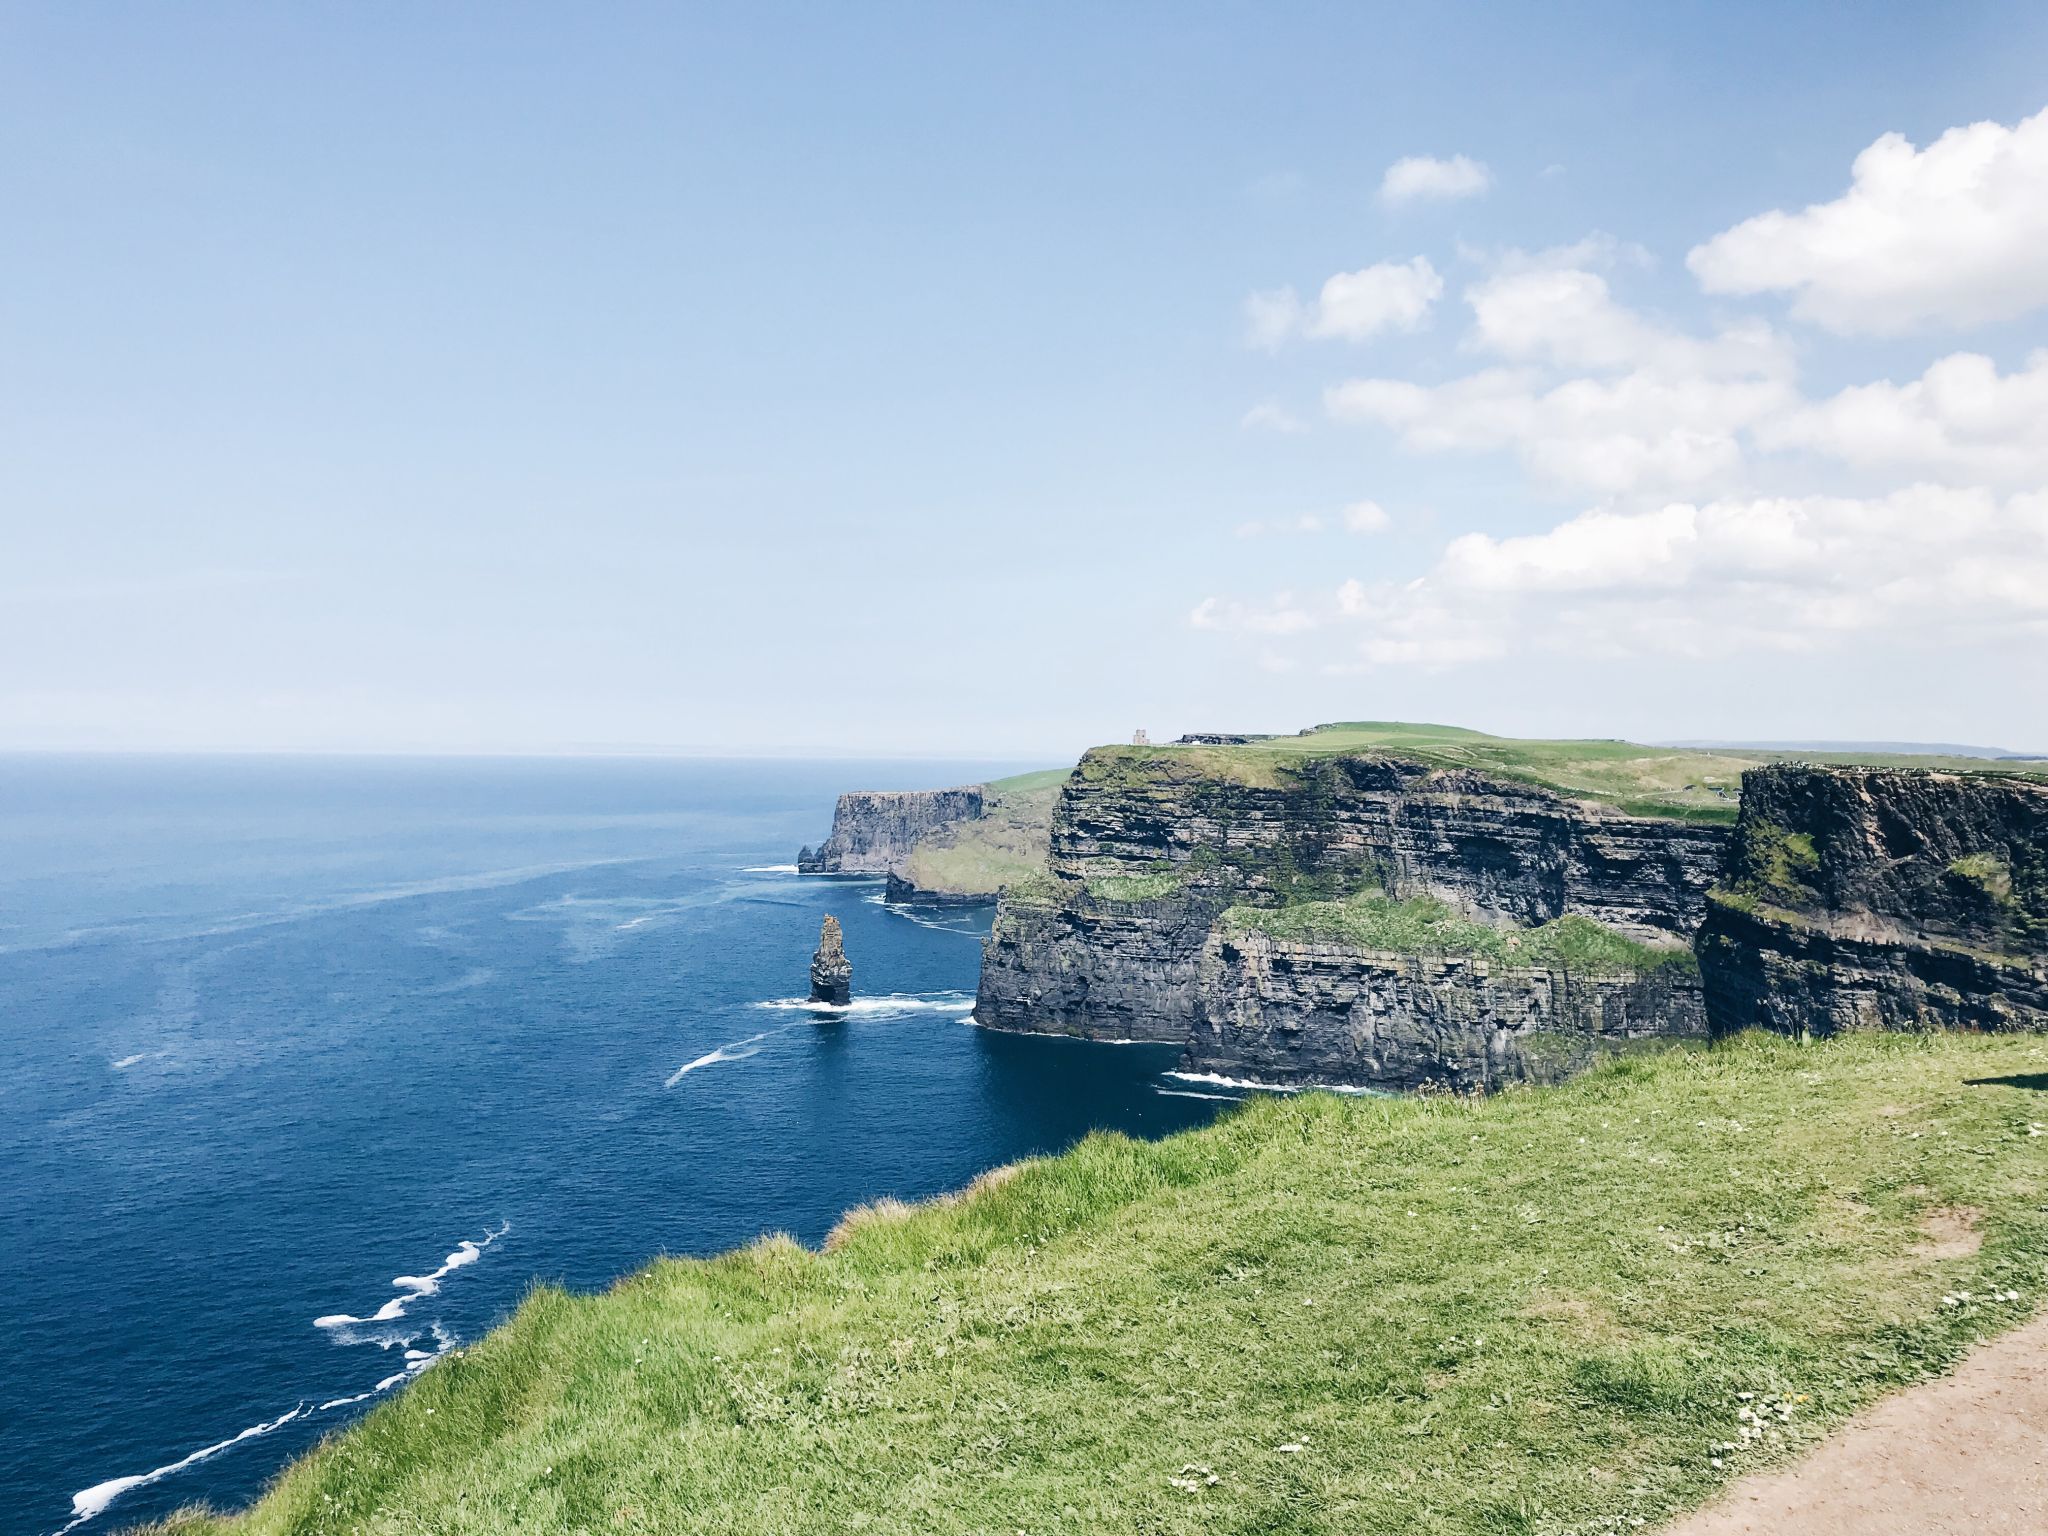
[
  {"x": 1593, "y": 395},
  {"x": 1366, "y": 517},
  {"x": 1353, "y": 306},
  {"x": 1772, "y": 573},
  {"x": 1425, "y": 177},
  {"x": 1951, "y": 234},
  {"x": 1960, "y": 421}
]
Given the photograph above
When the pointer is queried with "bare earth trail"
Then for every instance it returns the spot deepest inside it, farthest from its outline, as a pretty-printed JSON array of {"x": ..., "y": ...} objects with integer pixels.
[{"x": 1966, "y": 1453}]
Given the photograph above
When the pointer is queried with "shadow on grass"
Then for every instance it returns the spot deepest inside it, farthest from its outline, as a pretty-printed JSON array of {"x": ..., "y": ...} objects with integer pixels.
[{"x": 2038, "y": 1081}]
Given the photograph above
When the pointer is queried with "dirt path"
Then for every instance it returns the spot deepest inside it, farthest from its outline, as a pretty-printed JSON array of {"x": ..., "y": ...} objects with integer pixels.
[{"x": 1967, "y": 1453}]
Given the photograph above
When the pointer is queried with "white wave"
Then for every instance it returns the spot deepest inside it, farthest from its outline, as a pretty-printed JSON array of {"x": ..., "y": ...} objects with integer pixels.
[
  {"x": 733, "y": 1051},
  {"x": 88, "y": 1502},
  {"x": 1189, "y": 1093},
  {"x": 768, "y": 869},
  {"x": 891, "y": 1004},
  {"x": 963, "y": 925},
  {"x": 128, "y": 1061},
  {"x": 1219, "y": 1081},
  {"x": 413, "y": 1287}
]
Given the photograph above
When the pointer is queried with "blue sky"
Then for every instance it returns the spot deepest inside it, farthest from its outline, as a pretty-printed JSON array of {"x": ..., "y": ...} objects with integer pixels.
[{"x": 928, "y": 378}]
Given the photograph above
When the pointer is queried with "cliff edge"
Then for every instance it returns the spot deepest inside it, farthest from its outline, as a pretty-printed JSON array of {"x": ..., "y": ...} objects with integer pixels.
[{"x": 1881, "y": 899}]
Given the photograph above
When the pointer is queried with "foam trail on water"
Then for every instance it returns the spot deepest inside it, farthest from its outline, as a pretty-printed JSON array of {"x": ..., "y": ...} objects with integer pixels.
[
  {"x": 88, "y": 1502},
  {"x": 733, "y": 1051},
  {"x": 768, "y": 869},
  {"x": 891, "y": 1004},
  {"x": 1189, "y": 1093},
  {"x": 1217, "y": 1080},
  {"x": 413, "y": 1287},
  {"x": 908, "y": 914}
]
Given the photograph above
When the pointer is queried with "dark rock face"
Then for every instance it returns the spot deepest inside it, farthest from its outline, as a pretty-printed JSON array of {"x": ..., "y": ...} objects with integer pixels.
[
  {"x": 1867, "y": 899},
  {"x": 1147, "y": 852},
  {"x": 873, "y": 830},
  {"x": 1277, "y": 1010},
  {"x": 831, "y": 971},
  {"x": 900, "y": 892}
]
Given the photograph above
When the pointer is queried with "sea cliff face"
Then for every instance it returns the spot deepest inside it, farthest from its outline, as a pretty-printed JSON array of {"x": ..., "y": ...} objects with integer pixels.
[
  {"x": 1279, "y": 1010},
  {"x": 1149, "y": 850},
  {"x": 874, "y": 831},
  {"x": 1869, "y": 899}
]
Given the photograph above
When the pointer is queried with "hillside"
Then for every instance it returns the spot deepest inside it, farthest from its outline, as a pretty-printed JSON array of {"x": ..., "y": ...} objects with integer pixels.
[
  {"x": 1642, "y": 780},
  {"x": 1004, "y": 844},
  {"x": 1573, "y": 1309}
]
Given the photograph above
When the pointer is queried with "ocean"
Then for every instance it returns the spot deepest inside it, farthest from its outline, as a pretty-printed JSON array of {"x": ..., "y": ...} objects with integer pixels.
[{"x": 310, "y": 1068}]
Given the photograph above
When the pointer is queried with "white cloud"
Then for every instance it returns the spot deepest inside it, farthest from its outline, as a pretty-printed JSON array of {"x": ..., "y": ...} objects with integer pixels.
[
  {"x": 1926, "y": 563},
  {"x": 1952, "y": 234},
  {"x": 1281, "y": 616},
  {"x": 1959, "y": 421},
  {"x": 1665, "y": 412},
  {"x": 1424, "y": 176},
  {"x": 1366, "y": 517},
  {"x": 1271, "y": 416},
  {"x": 1353, "y": 306}
]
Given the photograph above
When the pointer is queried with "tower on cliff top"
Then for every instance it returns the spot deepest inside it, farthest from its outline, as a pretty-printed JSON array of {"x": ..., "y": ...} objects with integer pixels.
[{"x": 1139, "y": 738}]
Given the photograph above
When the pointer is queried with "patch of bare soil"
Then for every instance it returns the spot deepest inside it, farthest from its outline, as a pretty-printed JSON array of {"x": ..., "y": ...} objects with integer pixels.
[{"x": 1966, "y": 1453}]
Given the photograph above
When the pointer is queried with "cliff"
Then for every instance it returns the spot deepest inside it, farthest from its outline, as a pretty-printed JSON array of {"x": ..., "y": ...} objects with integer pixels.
[
  {"x": 1149, "y": 850},
  {"x": 1309, "y": 1012},
  {"x": 1880, "y": 899},
  {"x": 873, "y": 831}
]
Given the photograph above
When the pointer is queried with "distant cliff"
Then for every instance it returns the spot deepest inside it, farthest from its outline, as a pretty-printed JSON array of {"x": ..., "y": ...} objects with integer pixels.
[
  {"x": 1125, "y": 937},
  {"x": 1879, "y": 899},
  {"x": 874, "y": 831}
]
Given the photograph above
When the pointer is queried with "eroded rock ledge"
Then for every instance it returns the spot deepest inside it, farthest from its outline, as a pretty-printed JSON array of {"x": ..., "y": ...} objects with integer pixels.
[{"x": 1881, "y": 899}]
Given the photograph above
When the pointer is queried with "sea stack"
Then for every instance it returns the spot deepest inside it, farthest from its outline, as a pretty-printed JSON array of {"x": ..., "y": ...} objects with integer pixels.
[{"x": 831, "y": 972}]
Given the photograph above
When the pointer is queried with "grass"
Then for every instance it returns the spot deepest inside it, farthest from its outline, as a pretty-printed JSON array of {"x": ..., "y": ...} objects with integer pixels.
[
  {"x": 1536, "y": 1314},
  {"x": 1676, "y": 782},
  {"x": 1005, "y": 845},
  {"x": 1426, "y": 926}
]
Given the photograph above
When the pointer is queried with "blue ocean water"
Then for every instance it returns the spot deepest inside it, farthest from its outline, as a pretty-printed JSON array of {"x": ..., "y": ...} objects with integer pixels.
[{"x": 308, "y": 1068}]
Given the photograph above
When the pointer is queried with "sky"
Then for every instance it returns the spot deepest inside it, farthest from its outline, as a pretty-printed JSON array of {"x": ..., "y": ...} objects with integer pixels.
[{"x": 994, "y": 381}]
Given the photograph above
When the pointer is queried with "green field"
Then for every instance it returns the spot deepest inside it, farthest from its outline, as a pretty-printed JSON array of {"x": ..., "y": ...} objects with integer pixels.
[
  {"x": 1006, "y": 844},
  {"x": 1564, "y": 1310},
  {"x": 1423, "y": 925},
  {"x": 1651, "y": 781}
]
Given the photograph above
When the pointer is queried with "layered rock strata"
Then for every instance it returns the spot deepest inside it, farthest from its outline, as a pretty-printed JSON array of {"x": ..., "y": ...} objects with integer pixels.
[
  {"x": 874, "y": 831},
  {"x": 1288, "y": 1011},
  {"x": 1149, "y": 850},
  {"x": 1881, "y": 899}
]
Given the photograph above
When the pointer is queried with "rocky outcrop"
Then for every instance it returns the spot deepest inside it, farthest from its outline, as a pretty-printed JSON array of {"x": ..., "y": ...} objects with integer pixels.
[
  {"x": 831, "y": 971},
  {"x": 1881, "y": 899},
  {"x": 1286, "y": 1011},
  {"x": 901, "y": 891},
  {"x": 874, "y": 831},
  {"x": 1148, "y": 850}
]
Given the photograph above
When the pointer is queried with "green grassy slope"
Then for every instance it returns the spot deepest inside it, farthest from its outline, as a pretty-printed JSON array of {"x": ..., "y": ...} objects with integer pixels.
[
  {"x": 1007, "y": 843},
  {"x": 1652, "y": 781},
  {"x": 1545, "y": 1312}
]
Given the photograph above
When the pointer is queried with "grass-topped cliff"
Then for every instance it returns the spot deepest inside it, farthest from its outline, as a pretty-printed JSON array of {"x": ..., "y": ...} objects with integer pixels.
[
  {"x": 1566, "y": 1310},
  {"x": 1424, "y": 925},
  {"x": 1002, "y": 846},
  {"x": 1643, "y": 780}
]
